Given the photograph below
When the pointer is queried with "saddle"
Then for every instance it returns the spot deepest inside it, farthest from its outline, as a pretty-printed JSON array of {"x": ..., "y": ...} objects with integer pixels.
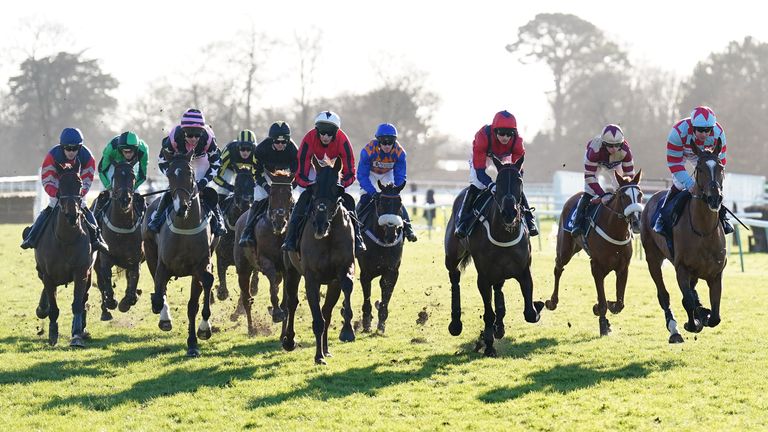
[
  {"x": 480, "y": 207},
  {"x": 590, "y": 214}
]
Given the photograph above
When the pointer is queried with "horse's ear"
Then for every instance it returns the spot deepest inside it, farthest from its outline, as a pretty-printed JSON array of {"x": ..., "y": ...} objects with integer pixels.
[
  {"x": 381, "y": 186},
  {"x": 695, "y": 149},
  {"x": 718, "y": 147},
  {"x": 315, "y": 163},
  {"x": 189, "y": 154},
  {"x": 519, "y": 163},
  {"x": 59, "y": 168},
  {"x": 337, "y": 164},
  {"x": 638, "y": 176},
  {"x": 619, "y": 179},
  {"x": 497, "y": 162},
  {"x": 167, "y": 154},
  {"x": 400, "y": 188},
  {"x": 76, "y": 165}
]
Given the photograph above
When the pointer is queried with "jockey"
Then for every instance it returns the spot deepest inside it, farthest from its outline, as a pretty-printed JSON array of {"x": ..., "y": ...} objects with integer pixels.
[
  {"x": 69, "y": 151},
  {"x": 500, "y": 139},
  {"x": 239, "y": 154},
  {"x": 325, "y": 140},
  {"x": 383, "y": 159},
  {"x": 702, "y": 130},
  {"x": 607, "y": 151},
  {"x": 125, "y": 147},
  {"x": 276, "y": 152},
  {"x": 191, "y": 134}
]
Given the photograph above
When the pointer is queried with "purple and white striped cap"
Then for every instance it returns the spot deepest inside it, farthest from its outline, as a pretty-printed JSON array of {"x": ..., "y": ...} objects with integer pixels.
[{"x": 192, "y": 118}]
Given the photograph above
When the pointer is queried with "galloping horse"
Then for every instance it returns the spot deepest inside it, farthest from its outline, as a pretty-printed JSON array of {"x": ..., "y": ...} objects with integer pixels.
[
  {"x": 383, "y": 236},
  {"x": 698, "y": 244},
  {"x": 120, "y": 226},
  {"x": 183, "y": 247},
  {"x": 326, "y": 256},
  {"x": 608, "y": 242},
  {"x": 63, "y": 255},
  {"x": 235, "y": 205},
  {"x": 266, "y": 256},
  {"x": 501, "y": 251}
]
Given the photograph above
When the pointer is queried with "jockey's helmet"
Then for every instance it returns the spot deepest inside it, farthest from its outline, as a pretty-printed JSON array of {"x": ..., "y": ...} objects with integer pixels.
[
  {"x": 128, "y": 140},
  {"x": 703, "y": 116},
  {"x": 612, "y": 134},
  {"x": 386, "y": 129},
  {"x": 280, "y": 130},
  {"x": 192, "y": 118},
  {"x": 71, "y": 136},
  {"x": 246, "y": 136},
  {"x": 328, "y": 117}
]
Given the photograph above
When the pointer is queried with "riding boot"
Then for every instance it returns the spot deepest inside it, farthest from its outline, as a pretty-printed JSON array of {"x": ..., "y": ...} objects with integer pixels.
[
  {"x": 159, "y": 217},
  {"x": 407, "y": 226},
  {"x": 660, "y": 224},
  {"x": 101, "y": 203},
  {"x": 217, "y": 222},
  {"x": 349, "y": 204},
  {"x": 364, "y": 206},
  {"x": 298, "y": 215},
  {"x": 578, "y": 220},
  {"x": 530, "y": 219},
  {"x": 94, "y": 232},
  {"x": 466, "y": 218},
  {"x": 32, "y": 233},
  {"x": 727, "y": 227},
  {"x": 248, "y": 237}
]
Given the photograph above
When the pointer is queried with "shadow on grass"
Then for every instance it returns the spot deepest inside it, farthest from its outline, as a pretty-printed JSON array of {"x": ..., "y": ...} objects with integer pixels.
[
  {"x": 370, "y": 379},
  {"x": 572, "y": 377}
]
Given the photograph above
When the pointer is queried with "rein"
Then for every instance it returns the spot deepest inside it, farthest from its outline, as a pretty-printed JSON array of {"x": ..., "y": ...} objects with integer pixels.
[{"x": 398, "y": 240}]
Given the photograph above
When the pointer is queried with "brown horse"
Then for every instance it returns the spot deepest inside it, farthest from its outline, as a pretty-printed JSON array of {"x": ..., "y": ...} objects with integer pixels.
[
  {"x": 501, "y": 250},
  {"x": 326, "y": 257},
  {"x": 266, "y": 256},
  {"x": 698, "y": 244},
  {"x": 121, "y": 227},
  {"x": 609, "y": 243},
  {"x": 63, "y": 255},
  {"x": 183, "y": 247},
  {"x": 233, "y": 207},
  {"x": 383, "y": 236}
]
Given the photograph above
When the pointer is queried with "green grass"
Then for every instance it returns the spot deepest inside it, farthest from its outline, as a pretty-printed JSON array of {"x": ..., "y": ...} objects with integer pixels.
[{"x": 555, "y": 375}]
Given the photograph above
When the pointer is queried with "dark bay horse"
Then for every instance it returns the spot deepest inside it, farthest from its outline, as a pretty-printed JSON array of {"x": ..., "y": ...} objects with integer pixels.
[
  {"x": 183, "y": 247},
  {"x": 121, "y": 227},
  {"x": 698, "y": 244},
  {"x": 63, "y": 255},
  {"x": 609, "y": 243},
  {"x": 266, "y": 256},
  {"x": 233, "y": 207},
  {"x": 383, "y": 236},
  {"x": 500, "y": 246},
  {"x": 326, "y": 256}
]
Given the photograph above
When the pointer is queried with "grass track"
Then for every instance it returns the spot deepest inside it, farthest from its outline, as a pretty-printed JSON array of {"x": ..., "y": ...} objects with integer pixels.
[{"x": 555, "y": 375}]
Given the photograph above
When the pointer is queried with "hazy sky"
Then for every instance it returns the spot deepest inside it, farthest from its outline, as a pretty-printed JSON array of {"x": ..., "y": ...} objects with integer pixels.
[{"x": 460, "y": 48}]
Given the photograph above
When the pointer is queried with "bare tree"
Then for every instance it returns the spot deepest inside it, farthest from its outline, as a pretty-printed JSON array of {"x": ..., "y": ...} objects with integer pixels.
[{"x": 309, "y": 47}]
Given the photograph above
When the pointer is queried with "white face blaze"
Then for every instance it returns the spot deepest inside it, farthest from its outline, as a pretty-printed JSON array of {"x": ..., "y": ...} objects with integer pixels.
[
  {"x": 633, "y": 192},
  {"x": 390, "y": 220}
]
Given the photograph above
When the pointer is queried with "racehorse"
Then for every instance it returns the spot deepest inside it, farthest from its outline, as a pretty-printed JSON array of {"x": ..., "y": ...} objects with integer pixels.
[
  {"x": 501, "y": 251},
  {"x": 326, "y": 256},
  {"x": 266, "y": 257},
  {"x": 63, "y": 255},
  {"x": 235, "y": 205},
  {"x": 698, "y": 246},
  {"x": 608, "y": 242},
  {"x": 383, "y": 236},
  {"x": 183, "y": 247},
  {"x": 120, "y": 225}
]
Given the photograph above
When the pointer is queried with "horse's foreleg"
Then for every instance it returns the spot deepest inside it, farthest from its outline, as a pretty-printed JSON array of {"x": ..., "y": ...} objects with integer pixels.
[
  {"x": 222, "y": 292},
  {"x": 387, "y": 284},
  {"x": 291, "y": 301},
  {"x": 601, "y": 307},
  {"x": 454, "y": 274},
  {"x": 621, "y": 286},
  {"x": 78, "y": 311},
  {"x": 318, "y": 323},
  {"x": 345, "y": 284},
  {"x": 193, "y": 305},
  {"x": 159, "y": 300},
  {"x": 246, "y": 301},
  {"x": 103, "y": 269},
  {"x": 206, "y": 279},
  {"x": 565, "y": 246},
  {"x": 131, "y": 290},
  {"x": 501, "y": 309},
  {"x": 715, "y": 292},
  {"x": 270, "y": 271},
  {"x": 654, "y": 258},
  {"x": 690, "y": 299},
  {"x": 365, "y": 283},
  {"x": 489, "y": 318},
  {"x": 53, "y": 313},
  {"x": 531, "y": 309}
]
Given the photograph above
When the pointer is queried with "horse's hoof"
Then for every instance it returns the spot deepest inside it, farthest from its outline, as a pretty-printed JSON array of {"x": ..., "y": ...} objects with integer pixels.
[
  {"x": 278, "y": 315},
  {"x": 222, "y": 294},
  {"x": 327, "y": 354},
  {"x": 550, "y": 304},
  {"x": 165, "y": 325},
  {"x": 320, "y": 361},
  {"x": 713, "y": 321},
  {"x": 106, "y": 316},
  {"x": 703, "y": 314},
  {"x": 126, "y": 303},
  {"x": 381, "y": 327},
  {"x": 157, "y": 303},
  {"x": 347, "y": 334},
  {"x": 532, "y": 317},
  {"x": 455, "y": 327},
  {"x": 52, "y": 341},
  {"x": 696, "y": 327},
  {"x": 111, "y": 304},
  {"x": 605, "y": 327},
  {"x": 676, "y": 338},
  {"x": 478, "y": 345},
  {"x": 204, "y": 334},
  {"x": 193, "y": 353},
  {"x": 77, "y": 342},
  {"x": 42, "y": 313},
  {"x": 490, "y": 352},
  {"x": 539, "y": 305},
  {"x": 289, "y": 344},
  {"x": 500, "y": 331},
  {"x": 615, "y": 307},
  {"x": 367, "y": 320},
  {"x": 595, "y": 310}
]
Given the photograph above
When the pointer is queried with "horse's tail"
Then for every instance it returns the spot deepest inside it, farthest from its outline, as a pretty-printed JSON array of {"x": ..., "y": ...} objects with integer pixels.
[{"x": 465, "y": 261}]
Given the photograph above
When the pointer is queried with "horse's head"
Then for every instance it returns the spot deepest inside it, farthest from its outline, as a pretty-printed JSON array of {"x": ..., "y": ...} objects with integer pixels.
[
  {"x": 627, "y": 202},
  {"x": 280, "y": 199},
  {"x": 244, "y": 184},
  {"x": 509, "y": 189},
  {"x": 709, "y": 176},
  {"x": 181, "y": 180},
  {"x": 123, "y": 179},
  {"x": 69, "y": 198},
  {"x": 388, "y": 204},
  {"x": 325, "y": 194}
]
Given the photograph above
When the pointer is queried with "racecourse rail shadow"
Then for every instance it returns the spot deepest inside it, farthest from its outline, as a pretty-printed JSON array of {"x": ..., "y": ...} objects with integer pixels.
[{"x": 571, "y": 377}]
